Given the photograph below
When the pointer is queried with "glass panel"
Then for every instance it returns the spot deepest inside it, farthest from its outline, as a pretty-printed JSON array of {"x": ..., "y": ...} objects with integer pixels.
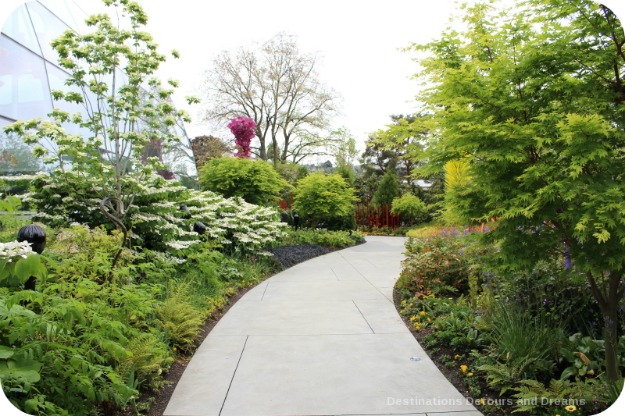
[
  {"x": 4, "y": 122},
  {"x": 16, "y": 157},
  {"x": 59, "y": 8},
  {"x": 19, "y": 27},
  {"x": 24, "y": 89},
  {"x": 47, "y": 26}
]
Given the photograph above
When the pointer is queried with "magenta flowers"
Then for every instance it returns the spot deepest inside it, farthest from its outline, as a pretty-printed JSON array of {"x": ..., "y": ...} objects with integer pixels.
[{"x": 243, "y": 129}]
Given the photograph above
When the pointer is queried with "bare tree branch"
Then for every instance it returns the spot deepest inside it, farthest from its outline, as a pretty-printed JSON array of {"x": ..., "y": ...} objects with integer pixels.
[{"x": 278, "y": 88}]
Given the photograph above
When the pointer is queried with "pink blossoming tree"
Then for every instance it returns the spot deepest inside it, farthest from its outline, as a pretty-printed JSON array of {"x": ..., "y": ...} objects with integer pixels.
[{"x": 243, "y": 129}]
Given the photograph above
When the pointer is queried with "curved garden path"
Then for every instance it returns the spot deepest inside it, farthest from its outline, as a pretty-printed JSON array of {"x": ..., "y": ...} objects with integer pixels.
[{"x": 320, "y": 338}]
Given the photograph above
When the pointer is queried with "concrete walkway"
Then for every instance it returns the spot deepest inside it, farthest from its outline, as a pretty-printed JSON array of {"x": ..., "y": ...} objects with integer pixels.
[{"x": 321, "y": 338}]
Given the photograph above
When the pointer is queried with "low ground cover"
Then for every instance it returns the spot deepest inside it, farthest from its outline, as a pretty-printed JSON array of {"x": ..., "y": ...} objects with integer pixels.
[
  {"x": 94, "y": 338},
  {"x": 528, "y": 342}
]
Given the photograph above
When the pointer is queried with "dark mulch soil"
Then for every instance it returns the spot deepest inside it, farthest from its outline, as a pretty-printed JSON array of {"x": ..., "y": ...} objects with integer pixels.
[{"x": 287, "y": 256}]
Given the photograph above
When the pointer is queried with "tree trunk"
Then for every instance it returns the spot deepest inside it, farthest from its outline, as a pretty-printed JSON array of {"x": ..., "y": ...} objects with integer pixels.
[{"x": 608, "y": 299}]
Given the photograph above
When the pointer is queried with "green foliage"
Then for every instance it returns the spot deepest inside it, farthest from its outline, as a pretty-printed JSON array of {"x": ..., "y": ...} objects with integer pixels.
[
  {"x": 94, "y": 336},
  {"x": 88, "y": 253},
  {"x": 410, "y": 208},
  {"x": 255, "y": 181},
  {"x": 461, "y": 200},
  {"x": 514, "y": 327},
  {"x": 179, "y": 320},
  {"x": 126, "y": 113},
  {"x": 347, "y": 172},
  {"x": 325, "y": 200},
  {"x": 15, "y": 273},
  {"x": 550, "y": 290},
  {"x": 434, "y": 266},
  {"x": 291, "y": 172},
  {"x": 584, "y": 354},
  {"x": 452, "y": 323},
  {"x": 15, "y": 185},
  {"x": 10, "y": 204},
  {"x": 398, "y": 148},
  {"x": 523, "y": 346},
  {"x": 10, "y": 222},
  {"x": 557, "y": 394},
  {"x": 67, "y": 344},
  {"x": 155, "y": 218},
  {"x": 331, "y": 239},
  {"x": 388, "y": 189},
  {"x": 533, "y": 100}
]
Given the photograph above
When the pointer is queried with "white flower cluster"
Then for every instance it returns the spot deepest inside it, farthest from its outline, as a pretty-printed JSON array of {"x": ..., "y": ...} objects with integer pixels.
[
  {"x": 181, "y": 245},
  {"x": 251, "y": 227},
  {"x": 155, "y": 216},
  {"x": 11, "y": 251}
]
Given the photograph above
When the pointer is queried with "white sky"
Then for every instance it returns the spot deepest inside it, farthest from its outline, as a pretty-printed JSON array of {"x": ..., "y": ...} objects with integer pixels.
[{"x": 357, "y": 42}]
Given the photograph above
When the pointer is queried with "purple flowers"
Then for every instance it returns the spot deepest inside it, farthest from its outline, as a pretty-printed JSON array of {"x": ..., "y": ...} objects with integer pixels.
[{"x": 243, "y": 129}]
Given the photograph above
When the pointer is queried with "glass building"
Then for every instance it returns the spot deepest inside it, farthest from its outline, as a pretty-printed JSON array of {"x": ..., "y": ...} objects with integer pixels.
[{"x": 29, "y": 70}]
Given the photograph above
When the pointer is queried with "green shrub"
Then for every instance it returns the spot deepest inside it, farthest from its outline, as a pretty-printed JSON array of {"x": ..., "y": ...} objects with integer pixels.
[
  {"x": 434, "y": 266},
  {"x": 154, "y": 219},
  {"x": 583, "y": 357},
  {"x": 330, "y": 239},
  {"x": 325, "y": 200},
  {"x": 410, "y": 208},
  {"x": 549, "y": 289},
  {"x": 387, "y": 190},
  {"x": 453, "y": 323},
  {"x": 88, "y": 253},
  {"x": 255, "y": 181},
  {"x": 292, "y": 172},
  {"x": 15, "y": 185},
  {"x": 10, "y": 222},
  {"x": 69, "y": 349},
  {"x": 201, "y": 271},
  {"x": 585, "y": 397}
]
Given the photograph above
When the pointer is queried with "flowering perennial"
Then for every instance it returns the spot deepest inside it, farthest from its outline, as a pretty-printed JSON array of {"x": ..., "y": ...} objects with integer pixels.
[{"x": 11, "y": 251}]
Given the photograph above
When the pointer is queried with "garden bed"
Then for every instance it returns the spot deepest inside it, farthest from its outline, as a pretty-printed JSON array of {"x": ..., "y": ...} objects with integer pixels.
[
  {"x": 442, "y": 356},
  {"x": 287, "y": 256}
]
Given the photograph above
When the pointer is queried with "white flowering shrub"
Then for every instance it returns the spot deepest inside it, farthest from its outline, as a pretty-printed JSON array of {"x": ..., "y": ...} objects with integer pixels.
[
  {"x": 154, "y": 219},
  {"x": 237, "y": 225}
]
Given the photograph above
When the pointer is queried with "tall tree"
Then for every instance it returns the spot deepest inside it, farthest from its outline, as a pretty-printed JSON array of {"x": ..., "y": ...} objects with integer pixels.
[
  {"x": 533, "y": 99},
  {"x": 398, "y": 148},
  {"x": 277, "y": 86},
  {"x": 388, "y": 189},
  {"x": 126, "y": 123},
  {"x": 403, "y": 140},
  {"x": 343, "y": 147}
]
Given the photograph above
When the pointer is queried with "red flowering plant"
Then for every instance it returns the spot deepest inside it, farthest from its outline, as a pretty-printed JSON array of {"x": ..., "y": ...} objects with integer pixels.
[{"x": 243, "y": 129}]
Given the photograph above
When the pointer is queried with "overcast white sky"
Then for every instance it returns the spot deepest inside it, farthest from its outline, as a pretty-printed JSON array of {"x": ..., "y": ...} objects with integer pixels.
[{"x": 358, "y": 43}]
